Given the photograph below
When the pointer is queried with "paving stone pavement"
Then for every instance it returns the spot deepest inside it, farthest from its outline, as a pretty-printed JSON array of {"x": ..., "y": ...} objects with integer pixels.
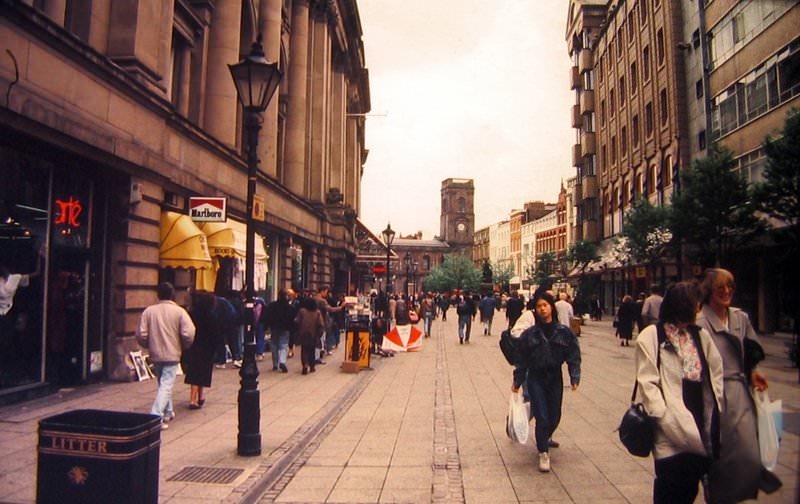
[{"x": 420, "y": 427}]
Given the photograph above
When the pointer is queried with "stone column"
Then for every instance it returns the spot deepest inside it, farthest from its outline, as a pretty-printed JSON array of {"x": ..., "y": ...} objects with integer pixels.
[
  {"x": 270, "y": 28},
  {"x": 183, "y": 57},
  {"x": 352, "y": 163},
  {"x": 295, "y": 152},
  {"x": 223, "y": 49},
  {"x": 55, "y": 10},
  {"x": 319, "y": 101},
  {"x": 338, "y": 136}
]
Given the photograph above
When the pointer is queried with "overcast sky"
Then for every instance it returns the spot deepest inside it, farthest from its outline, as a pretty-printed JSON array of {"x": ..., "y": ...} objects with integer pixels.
[{"x": 470, "y": 89}]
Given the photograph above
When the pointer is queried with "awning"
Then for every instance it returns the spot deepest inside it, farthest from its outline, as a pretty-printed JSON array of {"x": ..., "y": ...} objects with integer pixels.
[
  {"x": 229, "y": 239},
  {"x": 182, "y": 243}
]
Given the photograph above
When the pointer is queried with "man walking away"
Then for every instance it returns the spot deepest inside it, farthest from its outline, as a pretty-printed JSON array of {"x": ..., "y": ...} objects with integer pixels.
[
  {"x": 564, "y": 309},
  {"x": 165, "y": 330},
  {"x": 651, "y": 306},
  {"x": 514, "y": 307},
  {"x": 487, "y": 307}
]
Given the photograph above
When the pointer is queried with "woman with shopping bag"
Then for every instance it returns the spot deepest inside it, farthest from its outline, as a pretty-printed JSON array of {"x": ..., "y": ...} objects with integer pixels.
[
  {"x": 543, "y": 349},
  {"x": 738, "y": 473}
]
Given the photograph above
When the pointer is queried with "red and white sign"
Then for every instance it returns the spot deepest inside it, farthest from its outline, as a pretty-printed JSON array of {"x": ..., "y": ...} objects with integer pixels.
[
  {"x": 208, "y": 209},
  {"x": 403, "y": 338}
]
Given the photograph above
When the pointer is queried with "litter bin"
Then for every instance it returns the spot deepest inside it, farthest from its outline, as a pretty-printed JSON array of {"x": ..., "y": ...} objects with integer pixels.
[
  {"x": 357, "y": 342},
  {"x": 95, "y": 456}
]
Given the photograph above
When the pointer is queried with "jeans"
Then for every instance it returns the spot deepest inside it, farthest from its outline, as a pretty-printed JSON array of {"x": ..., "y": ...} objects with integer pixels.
[
  {"x": 280, "y": 347},
  {"x": 261, "y": 341},
  {"x": 428, "y": 321},
  {"x": 487, "y": 325},
  {"x": 162, "y": 406},
  {"x": 464, "y": 326},
  {"x": 237, "y": 342},
  {"x": 546, "y": 389}
]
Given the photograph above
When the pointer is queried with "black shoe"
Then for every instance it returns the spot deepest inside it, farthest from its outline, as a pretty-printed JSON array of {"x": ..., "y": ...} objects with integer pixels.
[
  {"x": 283, "y": 368},
  {"x": 460, "y": 341},
  {"x": 305, "y": 370},
  {"x": 313, "y": 369},
  {"x": 553, "y": 444}
]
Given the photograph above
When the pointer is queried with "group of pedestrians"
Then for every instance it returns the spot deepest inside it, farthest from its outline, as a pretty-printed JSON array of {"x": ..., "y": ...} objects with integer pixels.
[
  {"x": 696, "y": 366},
  {"x": 194, "y": 339},
  {"x": 696, "y": 369}
]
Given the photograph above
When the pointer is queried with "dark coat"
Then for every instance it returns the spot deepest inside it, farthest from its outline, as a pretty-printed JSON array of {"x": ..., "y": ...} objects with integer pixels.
[
  {"x": 309, "y": 327},
  {"x": 627, "y": 315},
  {"x": 198, "y": 360},
  {"x": 540, "y": 355}
]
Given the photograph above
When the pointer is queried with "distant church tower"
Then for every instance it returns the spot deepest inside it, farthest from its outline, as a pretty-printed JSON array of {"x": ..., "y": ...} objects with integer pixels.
[{"x": 457, "y": 224}]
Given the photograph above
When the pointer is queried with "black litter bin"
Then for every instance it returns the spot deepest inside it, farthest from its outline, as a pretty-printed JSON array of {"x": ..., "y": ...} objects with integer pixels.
[{"x": 88, "y": 456}]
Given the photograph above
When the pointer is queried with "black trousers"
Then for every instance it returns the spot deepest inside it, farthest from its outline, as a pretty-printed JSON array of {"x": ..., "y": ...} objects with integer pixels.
[{"x": 678, "y": 477}]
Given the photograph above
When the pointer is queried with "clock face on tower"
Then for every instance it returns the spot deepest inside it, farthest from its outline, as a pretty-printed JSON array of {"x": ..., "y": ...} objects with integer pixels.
[{"x": 461, "y": 227}]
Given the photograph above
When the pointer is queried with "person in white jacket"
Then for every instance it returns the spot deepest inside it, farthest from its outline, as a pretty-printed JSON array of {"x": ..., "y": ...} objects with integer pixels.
[
  {"x": 679, "y": 375},
  {"x": 166, "y": 330}
]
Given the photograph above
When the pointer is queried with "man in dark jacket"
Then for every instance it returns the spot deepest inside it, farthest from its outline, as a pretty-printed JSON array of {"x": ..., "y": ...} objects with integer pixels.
[
  {"x": 279, "y": 317},
  {"x": 466, "y": 310},
  {"x": 514, "y": 307}
]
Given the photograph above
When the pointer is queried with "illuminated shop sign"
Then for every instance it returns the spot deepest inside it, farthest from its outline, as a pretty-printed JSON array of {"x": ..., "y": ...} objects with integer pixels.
[{"x": 68, "y": 214}]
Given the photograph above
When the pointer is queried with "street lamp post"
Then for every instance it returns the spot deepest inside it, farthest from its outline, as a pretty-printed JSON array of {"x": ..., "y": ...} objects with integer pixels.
[
  {"x": 407, "y": 261},
  {"x": 256, "y": 81},
  {"x": 388, "y": 238}
]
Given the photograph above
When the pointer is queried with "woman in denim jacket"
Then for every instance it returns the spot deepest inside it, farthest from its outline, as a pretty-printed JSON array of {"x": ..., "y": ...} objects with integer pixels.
[{"x": 543, "y": 349}]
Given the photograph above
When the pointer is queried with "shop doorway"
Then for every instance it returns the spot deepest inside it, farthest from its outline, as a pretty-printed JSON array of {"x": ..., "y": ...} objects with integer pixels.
[{"x": 66, "y": 317}]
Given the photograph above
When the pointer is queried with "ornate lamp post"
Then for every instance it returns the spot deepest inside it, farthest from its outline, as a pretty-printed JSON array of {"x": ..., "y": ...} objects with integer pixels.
[
  {"x": 256, "y": 81},
  {"x": 388, "y": 238},
  {"x": 407, "y": 261}
]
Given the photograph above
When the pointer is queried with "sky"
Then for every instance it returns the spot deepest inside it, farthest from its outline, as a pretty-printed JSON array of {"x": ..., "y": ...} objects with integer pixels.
[{"x": 464, "y": 89}]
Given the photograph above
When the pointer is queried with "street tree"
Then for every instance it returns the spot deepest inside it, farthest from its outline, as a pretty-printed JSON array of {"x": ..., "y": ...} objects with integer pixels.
[
  {"x": 456, "y": 272},
  {"x": 778, "y": 196},
  {"x": 713, "y": 212},
  {"x": 645, "y": 237},
  {"x": 580, "y": 255},
  {"x": 546, "y": 268},
  {"x": 503, "y": 271}
]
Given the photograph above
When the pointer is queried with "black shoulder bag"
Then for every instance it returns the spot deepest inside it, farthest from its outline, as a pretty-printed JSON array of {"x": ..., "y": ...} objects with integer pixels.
[{"x": 636, "y": 430}]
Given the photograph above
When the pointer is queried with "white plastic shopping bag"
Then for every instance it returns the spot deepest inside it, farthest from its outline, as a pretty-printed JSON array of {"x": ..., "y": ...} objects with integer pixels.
[
  {"x": 768, "y": 433},
  {"x": 518, "y": 418}
]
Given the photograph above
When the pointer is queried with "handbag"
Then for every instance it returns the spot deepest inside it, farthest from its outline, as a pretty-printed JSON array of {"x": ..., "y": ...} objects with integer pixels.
[
  {"x": 518, "y": 418},
  {"x": 636, "y": 430}
]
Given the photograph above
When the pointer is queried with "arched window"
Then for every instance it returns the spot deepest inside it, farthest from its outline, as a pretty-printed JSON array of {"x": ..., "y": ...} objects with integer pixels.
[{"x": 462, "y": 205}]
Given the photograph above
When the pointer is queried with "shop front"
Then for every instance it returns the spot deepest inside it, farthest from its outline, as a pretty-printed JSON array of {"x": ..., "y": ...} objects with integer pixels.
[
  {"x": 227, "y": 247},
  {"x": 52, "y": 210}
]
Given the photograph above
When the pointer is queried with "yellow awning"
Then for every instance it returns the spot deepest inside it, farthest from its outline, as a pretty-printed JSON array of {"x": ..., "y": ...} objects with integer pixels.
[
  {"x": 228, "y": 239},
  {"x": 183, "y": 244}
]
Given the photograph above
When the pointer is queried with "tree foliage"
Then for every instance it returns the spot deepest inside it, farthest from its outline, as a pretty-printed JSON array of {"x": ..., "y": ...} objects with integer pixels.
[
  {"x": 546, "y": 267},
  {"x": 645, "y": 236},
  {"x": 779, "y": 195},
  {"x": 713, "y": 211},
  {"x": 582, "y": 253},
  {"x": 456, "y": 272},
  {"x": 503, "y": 271}
]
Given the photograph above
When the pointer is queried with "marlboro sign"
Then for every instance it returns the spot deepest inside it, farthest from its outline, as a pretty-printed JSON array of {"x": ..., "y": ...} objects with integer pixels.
[{"x": 208, "y": 209}]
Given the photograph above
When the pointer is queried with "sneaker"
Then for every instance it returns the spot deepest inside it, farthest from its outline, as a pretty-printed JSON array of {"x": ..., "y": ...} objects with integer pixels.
[
  {"x": 164, "y": 426},
  {"x": 544, "y": 462},
  {"x": 237, "y": 363}
]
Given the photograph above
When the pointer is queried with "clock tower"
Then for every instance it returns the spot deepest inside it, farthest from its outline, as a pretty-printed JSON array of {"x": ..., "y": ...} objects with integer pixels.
[{"x": 457, "y": 224}]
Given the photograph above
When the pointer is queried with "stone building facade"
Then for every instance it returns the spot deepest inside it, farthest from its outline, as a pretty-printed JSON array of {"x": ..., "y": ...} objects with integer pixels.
[
  {"x": 656, "y": 82},
  {"x": 116, "y": 113}
]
